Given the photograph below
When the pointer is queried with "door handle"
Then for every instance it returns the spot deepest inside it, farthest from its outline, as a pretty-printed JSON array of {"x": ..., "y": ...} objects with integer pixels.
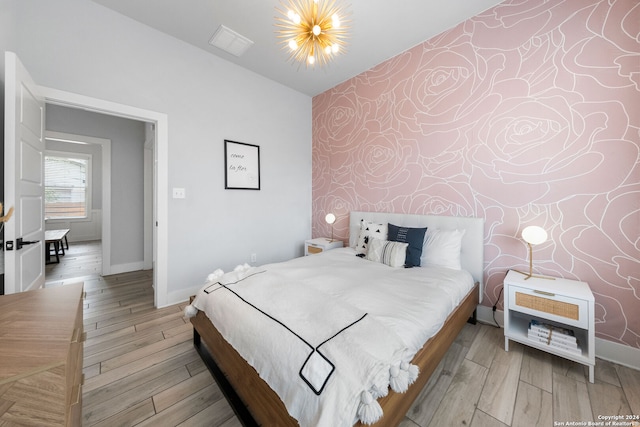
[{"x": 20, "y": 243}]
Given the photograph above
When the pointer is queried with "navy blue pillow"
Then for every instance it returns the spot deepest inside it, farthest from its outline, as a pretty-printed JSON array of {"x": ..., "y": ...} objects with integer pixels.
[{"x": 414, "y": 237}]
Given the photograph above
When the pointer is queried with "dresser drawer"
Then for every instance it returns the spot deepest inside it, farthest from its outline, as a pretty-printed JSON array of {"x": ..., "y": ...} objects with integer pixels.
[{"x": 567, "y": 310}]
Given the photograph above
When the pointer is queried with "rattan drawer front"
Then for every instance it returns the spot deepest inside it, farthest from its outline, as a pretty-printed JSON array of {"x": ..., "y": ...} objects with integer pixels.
[
  {"x": 570, "y": 311},
  {"x": 546, "y": 305},
  {"x": 314, "y": 249}
]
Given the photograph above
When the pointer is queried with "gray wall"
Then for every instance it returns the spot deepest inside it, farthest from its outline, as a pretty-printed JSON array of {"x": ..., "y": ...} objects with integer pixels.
[
  {"x": 81, "y": 47},
  {"x": 7, "y": 26},
  {"x": 127, "y": 185}
]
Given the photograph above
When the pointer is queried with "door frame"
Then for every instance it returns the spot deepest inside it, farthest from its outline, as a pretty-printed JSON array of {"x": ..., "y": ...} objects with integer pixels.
[{"x": 161, "y": 189}]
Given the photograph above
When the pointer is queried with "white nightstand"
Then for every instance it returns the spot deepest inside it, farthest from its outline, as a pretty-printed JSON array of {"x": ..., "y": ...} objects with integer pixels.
[
  {"x": 562, "y": 303},
  {"x": 321, "y": 244}
]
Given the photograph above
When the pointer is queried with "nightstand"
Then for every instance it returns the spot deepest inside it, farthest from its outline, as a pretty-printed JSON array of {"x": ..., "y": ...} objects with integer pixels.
[
  {"x": 561, "y": 306},
  {"x": 321, "y": 244}
]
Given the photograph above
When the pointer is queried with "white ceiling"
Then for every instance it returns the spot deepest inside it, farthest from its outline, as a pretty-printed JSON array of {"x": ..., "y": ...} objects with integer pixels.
[{"x": 379, "y": 30}]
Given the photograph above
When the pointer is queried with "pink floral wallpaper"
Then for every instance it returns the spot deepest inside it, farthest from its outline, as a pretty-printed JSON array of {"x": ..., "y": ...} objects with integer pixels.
[{"x": 528, "y": 113}]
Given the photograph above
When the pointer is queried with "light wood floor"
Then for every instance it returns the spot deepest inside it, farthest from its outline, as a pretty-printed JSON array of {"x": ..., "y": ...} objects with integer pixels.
[
  {"x": 82, "y": 259},
  {"x": 141, "y": 369}
]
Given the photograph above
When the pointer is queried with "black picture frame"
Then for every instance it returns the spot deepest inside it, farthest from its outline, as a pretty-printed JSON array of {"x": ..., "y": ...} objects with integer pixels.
[{"x": 241, "y": 166}]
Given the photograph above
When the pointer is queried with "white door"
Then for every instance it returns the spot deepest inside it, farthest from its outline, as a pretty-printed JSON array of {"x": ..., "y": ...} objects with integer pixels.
[{"x": 23, "y": 179}]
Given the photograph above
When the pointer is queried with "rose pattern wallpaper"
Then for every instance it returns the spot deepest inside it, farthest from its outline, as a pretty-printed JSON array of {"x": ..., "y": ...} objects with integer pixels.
[{"x": 527, "y": 114}]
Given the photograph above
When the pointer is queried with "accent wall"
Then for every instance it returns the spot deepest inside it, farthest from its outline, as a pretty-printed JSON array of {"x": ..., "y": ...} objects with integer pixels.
[{"x": 527, "y": 114}]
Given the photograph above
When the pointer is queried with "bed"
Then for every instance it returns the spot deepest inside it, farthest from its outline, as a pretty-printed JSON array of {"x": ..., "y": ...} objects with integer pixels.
[{"x": 396, "y": 372}]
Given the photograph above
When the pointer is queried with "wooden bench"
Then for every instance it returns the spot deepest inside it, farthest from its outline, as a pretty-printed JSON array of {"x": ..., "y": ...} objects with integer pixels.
[{"x": 57, "y": 238}]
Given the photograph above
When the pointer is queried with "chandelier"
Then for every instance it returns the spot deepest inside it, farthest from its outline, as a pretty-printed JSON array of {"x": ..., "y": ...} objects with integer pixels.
[{"x": 313, "y": 31}]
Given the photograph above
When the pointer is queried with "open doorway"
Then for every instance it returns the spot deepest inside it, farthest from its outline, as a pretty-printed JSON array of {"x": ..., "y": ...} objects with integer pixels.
[
  {"x": 156, "y": 153},
  {"x": 118, "y": 221}
]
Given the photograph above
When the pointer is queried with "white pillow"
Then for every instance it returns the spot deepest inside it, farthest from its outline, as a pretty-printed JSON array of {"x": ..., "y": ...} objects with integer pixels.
[
  {"x": 391, "y": 253},
  {"x": 442, "y": 249},
  {"x": 369, "y": 230}
]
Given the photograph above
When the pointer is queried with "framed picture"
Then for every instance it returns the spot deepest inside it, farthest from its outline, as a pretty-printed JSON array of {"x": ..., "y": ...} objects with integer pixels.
[{"x": 241, "y": 166}]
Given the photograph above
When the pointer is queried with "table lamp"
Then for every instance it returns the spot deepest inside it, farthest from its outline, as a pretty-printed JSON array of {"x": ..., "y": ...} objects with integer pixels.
[
  {"x": 330, "y": 219},
  {"x": 533, "y": 235}
]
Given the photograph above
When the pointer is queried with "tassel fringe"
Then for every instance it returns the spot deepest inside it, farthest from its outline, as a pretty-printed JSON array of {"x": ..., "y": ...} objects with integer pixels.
[
  {"x": 369, "y": 410},
  {"x": 242, "y": 267},
  {"x": 190, "y": 311},
  {"x": 399, "y": 379},
  {"x": 215, "y": 275},
  {"x": 412, "y": 370},
  {"x": 378, "y": 391}
]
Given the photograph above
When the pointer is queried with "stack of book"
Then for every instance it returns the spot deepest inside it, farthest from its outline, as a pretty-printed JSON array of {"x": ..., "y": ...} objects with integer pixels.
[{"x": 560, "y": 338}]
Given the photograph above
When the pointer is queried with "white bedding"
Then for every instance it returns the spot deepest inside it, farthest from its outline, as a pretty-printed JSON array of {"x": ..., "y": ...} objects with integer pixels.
[{"x": 374, "y": 316}]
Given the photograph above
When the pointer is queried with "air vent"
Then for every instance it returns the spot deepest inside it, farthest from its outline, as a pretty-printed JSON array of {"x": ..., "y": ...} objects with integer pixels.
[{"x": 230, "y": 41}]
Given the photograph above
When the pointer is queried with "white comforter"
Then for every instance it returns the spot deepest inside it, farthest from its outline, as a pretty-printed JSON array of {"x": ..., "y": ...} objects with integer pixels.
[{"x": 329, "y": 332}]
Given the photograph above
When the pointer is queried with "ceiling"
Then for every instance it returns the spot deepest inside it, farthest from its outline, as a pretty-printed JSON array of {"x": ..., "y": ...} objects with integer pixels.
[{"x": 380, "y": 29}]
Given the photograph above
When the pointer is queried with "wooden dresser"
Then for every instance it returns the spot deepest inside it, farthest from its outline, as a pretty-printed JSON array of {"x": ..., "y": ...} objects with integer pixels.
[{"x": 41, "y": 357}]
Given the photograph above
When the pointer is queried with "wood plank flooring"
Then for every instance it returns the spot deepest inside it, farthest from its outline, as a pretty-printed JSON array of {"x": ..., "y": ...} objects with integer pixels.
[
  {"x": 82, "y": 259},
  {"x": 141, "y": 369}
]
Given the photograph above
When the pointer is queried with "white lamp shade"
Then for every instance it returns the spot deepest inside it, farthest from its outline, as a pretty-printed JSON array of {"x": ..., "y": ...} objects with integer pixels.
[
  {"x": 534, "y": 235},
  {"x": 330, "y": 218}
]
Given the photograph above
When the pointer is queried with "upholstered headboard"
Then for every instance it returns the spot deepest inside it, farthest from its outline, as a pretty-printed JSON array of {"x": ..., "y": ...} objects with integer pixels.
[{"x": 472, "y": 252}]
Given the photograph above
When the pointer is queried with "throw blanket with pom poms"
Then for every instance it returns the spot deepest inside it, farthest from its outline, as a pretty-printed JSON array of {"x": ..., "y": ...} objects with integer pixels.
[{"x": 327, "y": 360}]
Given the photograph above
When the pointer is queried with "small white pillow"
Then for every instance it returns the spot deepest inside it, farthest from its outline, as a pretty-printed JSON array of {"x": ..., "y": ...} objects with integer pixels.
[
  {"x": 369, "y": 230},
  {"x": 392, "y": 254},
  {"x": 442, "y": 249}
]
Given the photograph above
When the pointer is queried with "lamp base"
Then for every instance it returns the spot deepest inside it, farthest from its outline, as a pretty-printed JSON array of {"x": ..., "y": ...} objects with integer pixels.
[{"x": 529, "y": 276}]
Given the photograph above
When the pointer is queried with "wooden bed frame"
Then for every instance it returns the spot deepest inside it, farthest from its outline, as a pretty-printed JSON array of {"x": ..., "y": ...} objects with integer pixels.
[{"x": 256, "y": 403}]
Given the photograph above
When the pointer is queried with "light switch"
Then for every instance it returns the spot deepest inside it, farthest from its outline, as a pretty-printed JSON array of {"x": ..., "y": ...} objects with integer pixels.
[{"x": 179, "y": 193}]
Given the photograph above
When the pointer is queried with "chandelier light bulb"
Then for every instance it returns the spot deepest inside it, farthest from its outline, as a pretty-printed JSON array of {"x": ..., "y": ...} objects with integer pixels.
[
  {"x": 311, "y": 59},
  {"x": 292, "y": 44},
  {"x": 327, "y": 50},
  {"x": 317, "y": 30},
  {"x": 294, "y": 17},
  {"x": 335, "y": 48},
  {"x": 335, "y": 20}
]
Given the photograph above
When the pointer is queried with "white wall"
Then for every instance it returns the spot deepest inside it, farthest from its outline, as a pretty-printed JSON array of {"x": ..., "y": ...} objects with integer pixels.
[
  {"x": 81, "y": 47},
  {"x": 7, "y": 26},
  {"x": 127, "y": 181}
]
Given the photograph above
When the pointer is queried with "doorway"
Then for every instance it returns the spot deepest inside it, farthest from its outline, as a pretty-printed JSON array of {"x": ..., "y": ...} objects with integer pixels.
[
  {"x": 159, "y": 161},
  {"x": 117, "y": 158}
]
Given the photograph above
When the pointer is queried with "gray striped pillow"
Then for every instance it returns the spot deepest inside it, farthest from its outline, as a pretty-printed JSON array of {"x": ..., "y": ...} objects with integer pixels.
[{"x": 392, "y": 254}]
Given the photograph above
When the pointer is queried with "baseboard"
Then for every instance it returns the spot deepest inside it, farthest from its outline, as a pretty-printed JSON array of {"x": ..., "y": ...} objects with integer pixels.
[
  {"x": 618, "y": 353},
  {"x": 126, "y": 268},
  {"x": 485, "y": 315},
  {"x": 182, "y": 295},
  {"x": 607, "y": 350}
]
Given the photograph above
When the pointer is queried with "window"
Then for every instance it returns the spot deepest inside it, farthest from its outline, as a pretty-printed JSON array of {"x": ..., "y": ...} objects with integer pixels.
[{"x": 66, "y": 182}]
